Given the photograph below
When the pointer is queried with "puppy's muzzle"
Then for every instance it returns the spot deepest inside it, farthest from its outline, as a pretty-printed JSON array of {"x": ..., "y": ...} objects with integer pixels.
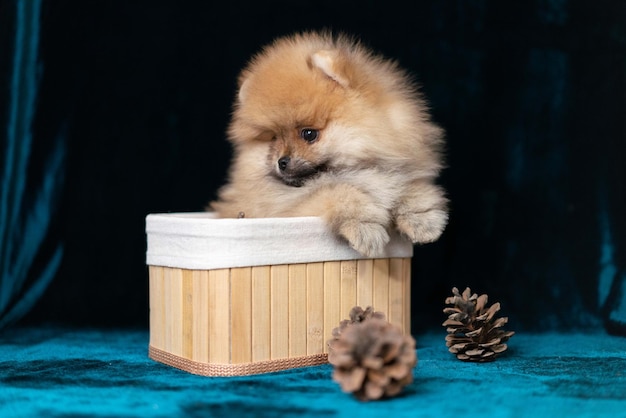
[{"x": 294, "y": 171}]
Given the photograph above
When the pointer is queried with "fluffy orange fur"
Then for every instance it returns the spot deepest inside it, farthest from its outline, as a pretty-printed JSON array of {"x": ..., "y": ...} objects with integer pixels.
[{"x": 322, "y": 126}]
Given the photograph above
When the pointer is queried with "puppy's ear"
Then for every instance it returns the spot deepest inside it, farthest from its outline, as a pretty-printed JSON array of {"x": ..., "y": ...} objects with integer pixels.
[
  {"x": 243, "y": 89},
  {"x": 331, "y": 64}
]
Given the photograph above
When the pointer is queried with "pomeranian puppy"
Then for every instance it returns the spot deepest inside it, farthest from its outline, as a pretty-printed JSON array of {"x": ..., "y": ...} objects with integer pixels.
[{"x": 321, "y": 126}]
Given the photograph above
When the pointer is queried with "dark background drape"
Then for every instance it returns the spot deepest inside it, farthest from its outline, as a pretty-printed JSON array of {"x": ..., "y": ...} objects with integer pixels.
[{"x": 532, "y": 96}]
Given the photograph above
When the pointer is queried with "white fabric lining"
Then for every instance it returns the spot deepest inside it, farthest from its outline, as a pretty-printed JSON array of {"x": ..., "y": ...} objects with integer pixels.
[{"x": 199, "y": 241}]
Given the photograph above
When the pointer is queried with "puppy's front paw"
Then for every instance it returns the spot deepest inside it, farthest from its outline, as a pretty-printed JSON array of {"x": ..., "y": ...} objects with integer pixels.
[
  {"x": 422, "y": 227},
  {"x": 368, "y": 238}
]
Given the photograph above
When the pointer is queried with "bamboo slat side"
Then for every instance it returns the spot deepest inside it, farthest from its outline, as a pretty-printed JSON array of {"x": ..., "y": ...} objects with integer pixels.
[
  {"x": 407, "y": 295},
  {"x": 200, "y": 327},
  {"x": 396, "y": 292},
  {"x": 173, "y": 301},
  {"x": 188, "y": 314},
  {"x": 219, "y": 316},
  {"x": 365, "y": 283},
  {"x": 381, "y": 285},
  {"x": 332, "y": 298},
  {"x": 157, "y": 314},
  {"x": 348, "y": 287},
  {"x": 241, "y": 314},
  {"x": 297, "y": 310},
  {"x": 315, "y": 308},
  {"x": 167, "y": 310},
  {"x": 261, "y": 313},
  {"x": 279, "y": 311}
]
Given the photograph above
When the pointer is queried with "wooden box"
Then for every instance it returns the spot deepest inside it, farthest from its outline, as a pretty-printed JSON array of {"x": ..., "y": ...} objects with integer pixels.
[{"x": 245, "y": 296}]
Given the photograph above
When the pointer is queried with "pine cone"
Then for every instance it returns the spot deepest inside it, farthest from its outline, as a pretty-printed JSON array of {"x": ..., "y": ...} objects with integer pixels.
[
  {"x": 473, "y": 332},
  {"x": 372, "y": 358},
  {"x": 357, "y": 314}
]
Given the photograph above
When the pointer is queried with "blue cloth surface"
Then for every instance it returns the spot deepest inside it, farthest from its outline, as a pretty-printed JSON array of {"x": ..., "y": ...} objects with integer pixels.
[{"x": 105, "y": 373}]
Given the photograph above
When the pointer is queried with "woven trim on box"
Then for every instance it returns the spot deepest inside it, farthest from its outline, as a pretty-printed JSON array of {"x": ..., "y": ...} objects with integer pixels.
[{"x": 243, "y": 369}]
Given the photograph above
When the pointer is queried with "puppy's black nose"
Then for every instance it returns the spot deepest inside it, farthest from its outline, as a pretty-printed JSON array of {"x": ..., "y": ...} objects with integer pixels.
[{"x": 283, "y": 162}]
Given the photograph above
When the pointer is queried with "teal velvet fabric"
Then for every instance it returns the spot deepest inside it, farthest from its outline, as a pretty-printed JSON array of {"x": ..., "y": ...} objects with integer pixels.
[{"x": 97, "y": 373}]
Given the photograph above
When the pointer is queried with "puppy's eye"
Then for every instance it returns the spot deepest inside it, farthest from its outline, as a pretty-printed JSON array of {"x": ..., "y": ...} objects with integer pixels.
[{"x": 308, "y": 134}]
